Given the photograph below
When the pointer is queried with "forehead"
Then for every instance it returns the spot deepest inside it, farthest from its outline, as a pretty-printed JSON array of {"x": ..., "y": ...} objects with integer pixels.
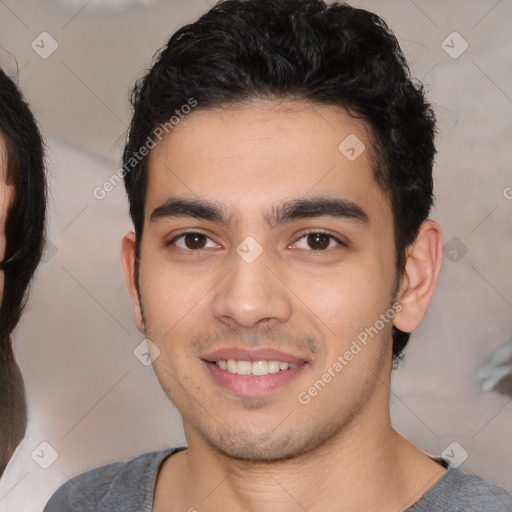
[{"x": 252, "y": 156}]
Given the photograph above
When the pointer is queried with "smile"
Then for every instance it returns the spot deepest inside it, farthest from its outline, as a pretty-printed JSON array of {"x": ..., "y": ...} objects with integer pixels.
[
  {"x": 253, "y": 378},
  {"x": 253, "y": 368}
]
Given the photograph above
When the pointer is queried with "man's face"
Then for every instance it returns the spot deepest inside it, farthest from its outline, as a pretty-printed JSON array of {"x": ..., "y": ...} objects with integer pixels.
[{"x": 280, "y": 277}]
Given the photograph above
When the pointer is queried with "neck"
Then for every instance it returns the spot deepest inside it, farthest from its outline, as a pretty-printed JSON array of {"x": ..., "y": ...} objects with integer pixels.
[{"x": 368, "y": 466}]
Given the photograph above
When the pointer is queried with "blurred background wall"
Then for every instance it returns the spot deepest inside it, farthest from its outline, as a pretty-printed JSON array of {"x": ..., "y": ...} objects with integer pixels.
[{"x": 91, "y": 400}]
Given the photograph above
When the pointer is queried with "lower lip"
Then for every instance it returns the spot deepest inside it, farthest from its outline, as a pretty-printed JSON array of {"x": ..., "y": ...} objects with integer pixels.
[{"x": 247, "y": 385}]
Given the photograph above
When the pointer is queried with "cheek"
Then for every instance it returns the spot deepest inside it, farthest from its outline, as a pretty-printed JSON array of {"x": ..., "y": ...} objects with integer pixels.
[
  {"x": 171, "y": 298},
  {"x": 334, "y": 299},
  {"x": 351, "y": 299}
]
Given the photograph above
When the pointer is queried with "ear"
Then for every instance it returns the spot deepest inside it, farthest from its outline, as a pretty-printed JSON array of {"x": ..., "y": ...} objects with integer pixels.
[
  {"x": 422, "y": 268},
  {"x": 128, "y": 257}
]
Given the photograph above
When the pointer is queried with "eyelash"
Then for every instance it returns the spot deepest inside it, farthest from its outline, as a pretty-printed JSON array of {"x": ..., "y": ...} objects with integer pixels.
[{"x": 302, "y": 236}]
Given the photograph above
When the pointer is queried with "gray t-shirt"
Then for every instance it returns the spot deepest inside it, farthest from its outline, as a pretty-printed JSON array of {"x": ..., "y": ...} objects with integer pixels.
[{"x": 128, "y": 487}]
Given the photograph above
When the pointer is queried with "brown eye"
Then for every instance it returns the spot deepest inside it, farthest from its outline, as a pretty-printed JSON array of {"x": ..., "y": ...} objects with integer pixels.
[
  {"x": 318, "y": 241},
  {"x": 192, "y": 241},
  {"x": 195, "y": 240}
]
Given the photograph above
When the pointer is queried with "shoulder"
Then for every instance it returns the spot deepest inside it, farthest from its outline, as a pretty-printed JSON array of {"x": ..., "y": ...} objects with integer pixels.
[
  {"x": 457, "y": 491},
  {"x": 119, "y": 486},
  {"x": 476, "y": 493}
]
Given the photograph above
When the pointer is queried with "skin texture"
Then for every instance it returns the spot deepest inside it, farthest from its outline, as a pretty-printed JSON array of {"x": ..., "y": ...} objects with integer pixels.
[{"x": 252, "y": 453}]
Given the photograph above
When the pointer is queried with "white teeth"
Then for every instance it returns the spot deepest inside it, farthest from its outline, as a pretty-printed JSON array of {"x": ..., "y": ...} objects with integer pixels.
[
  {"x": 273, "y": 366},
  {"x": 256, "y": 368},
  {"x": 231, "y": 365},
  {"x": 244, "y": 368},
  {"x": 259, "y": 368}
]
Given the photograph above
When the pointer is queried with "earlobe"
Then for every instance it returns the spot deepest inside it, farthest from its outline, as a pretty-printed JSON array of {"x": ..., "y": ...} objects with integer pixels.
[
  {"x": 422, "y": 268},
  {"x": 128, "y": 258}
]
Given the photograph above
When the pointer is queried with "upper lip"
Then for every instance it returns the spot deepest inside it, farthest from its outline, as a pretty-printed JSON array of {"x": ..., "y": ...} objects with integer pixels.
[{"x": 257, "y": 354}]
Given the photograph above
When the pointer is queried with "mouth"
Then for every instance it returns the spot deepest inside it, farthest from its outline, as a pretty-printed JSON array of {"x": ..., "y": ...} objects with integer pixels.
[
  {"x": 253, "y": 373},
  {"x": 253, "y": 368}
]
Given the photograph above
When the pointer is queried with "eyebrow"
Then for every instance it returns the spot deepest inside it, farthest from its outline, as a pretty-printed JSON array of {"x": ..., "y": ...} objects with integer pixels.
[
  {"x": 197, "y": 208},
  {"x": 319, "y": 206},
  {"x": 311, "y": 207}
]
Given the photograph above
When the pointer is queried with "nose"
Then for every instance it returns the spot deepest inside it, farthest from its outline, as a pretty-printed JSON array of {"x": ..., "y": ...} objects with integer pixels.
[{"x": 252, "y": 293}]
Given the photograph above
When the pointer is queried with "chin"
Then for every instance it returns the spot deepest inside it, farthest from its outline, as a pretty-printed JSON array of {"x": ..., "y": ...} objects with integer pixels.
[
  {"x": 267, "y": 445},
  {"x": 254, "y": 451}
]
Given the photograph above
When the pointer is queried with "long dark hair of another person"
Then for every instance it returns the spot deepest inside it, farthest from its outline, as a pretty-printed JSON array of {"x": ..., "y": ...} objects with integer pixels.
[{"x": 25, "y": 235}]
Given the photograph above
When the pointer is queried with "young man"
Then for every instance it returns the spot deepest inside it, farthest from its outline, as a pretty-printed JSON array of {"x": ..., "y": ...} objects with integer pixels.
[
  {"x": 22, "y": 222},
  {"x": 279, "y": 173}
]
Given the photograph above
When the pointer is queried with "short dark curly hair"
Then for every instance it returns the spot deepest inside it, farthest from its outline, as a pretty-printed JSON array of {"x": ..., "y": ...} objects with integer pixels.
[{"x": 304, "y": 50}]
